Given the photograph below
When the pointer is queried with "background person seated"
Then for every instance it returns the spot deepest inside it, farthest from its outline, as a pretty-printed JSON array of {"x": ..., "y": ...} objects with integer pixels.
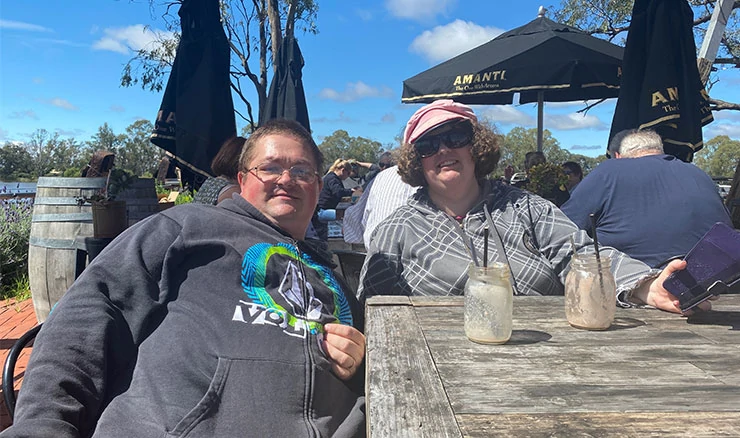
[
  {"x": 649, "y": 205},
  {"x": 330, "y": 196},
  {"x": 382, "y": 197},
  {"x": 225, "y": 165},
  {"x": 574, "y": 172}
]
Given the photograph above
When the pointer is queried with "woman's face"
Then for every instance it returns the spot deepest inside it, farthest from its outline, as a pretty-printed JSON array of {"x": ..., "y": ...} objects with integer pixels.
[
  {"x": 342, "y": 173},
  {"x": 452, "y": 166}
]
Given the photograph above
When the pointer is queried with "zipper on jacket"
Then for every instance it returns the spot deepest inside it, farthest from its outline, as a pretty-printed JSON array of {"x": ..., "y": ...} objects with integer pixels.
[{"x": 310, "y": 361}]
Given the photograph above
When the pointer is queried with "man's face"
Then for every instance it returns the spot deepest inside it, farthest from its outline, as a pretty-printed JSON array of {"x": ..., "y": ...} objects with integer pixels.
[
  {"x": 288, "y": 202},
  {"x": 573, "y": 178}
]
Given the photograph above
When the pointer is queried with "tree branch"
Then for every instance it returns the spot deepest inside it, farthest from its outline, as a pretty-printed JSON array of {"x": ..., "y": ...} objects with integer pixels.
[{"x": 720, "y": 105}]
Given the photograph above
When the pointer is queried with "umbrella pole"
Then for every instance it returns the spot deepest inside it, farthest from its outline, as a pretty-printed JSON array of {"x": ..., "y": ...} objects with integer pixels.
[{"x": 540, "y": 117}]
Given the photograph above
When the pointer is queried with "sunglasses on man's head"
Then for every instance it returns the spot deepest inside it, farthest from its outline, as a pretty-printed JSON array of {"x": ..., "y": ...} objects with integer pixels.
[{"x": 460, "y": 135}]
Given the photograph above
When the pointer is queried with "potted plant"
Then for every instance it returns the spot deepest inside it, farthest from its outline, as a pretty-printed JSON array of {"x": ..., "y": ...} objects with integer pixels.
[{"x": 109, "y": 215}]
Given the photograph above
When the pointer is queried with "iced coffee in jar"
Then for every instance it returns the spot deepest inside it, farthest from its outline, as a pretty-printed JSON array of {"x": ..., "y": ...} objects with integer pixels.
[
  {"x": 488, "y": 304},
  {"x": 590, "y": 293}
]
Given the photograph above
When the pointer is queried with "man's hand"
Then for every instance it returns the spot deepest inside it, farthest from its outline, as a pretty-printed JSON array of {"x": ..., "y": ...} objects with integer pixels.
[
  {"x": 345, "y": 347},
  {"x": 654, "y": 294}
]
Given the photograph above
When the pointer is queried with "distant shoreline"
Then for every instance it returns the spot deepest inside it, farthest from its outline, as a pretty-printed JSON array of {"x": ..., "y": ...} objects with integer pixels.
[{"x": 17, "y": 188}]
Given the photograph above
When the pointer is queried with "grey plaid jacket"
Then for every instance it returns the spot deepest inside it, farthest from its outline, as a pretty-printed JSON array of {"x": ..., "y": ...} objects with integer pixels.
[{"x": 417, "y": 251}]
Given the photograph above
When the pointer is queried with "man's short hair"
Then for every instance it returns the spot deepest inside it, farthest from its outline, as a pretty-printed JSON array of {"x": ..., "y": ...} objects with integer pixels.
[
  {"x": 534, "y": 158},
  {"x": 639, "y": 142},
  {"x": 287, "y": 127},
  {"x": 616, "y": 141},
  {"x": 573, "y": 167}
]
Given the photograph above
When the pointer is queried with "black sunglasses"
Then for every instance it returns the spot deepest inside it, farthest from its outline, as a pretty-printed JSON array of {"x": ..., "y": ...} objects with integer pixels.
[
  {"x": 459, "y": 136},
  {"x": 384, "y": 165}
]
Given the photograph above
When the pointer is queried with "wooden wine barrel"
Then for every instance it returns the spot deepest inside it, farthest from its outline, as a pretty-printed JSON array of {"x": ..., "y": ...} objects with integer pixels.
[
  {"x": 141, "y": 199},
  {"x": 57, "y": 220}
]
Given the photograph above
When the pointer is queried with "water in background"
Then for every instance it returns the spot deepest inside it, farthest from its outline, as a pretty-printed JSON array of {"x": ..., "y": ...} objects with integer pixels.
[{"x": 9, "y": 188}]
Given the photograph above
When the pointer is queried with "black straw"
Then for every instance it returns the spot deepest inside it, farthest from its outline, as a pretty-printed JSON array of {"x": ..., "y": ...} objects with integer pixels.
[
  {"x": 485, "y": 246},
  {"x": 596, "y": 249}
]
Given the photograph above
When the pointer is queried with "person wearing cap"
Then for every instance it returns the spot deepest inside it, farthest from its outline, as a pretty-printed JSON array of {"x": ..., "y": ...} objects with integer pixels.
[{"x": 426, "y": 246}]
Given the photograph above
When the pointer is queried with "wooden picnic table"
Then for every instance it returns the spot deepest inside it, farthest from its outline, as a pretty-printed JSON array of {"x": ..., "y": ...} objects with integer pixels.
[{"x": 651, "y": 374}]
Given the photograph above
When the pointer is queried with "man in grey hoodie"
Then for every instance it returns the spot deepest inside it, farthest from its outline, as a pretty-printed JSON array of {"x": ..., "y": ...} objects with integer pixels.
[{"x": 207, "y": 321}]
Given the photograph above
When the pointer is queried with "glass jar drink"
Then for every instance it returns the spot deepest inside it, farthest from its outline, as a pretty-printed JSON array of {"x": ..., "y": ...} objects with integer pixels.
[
  {"x": 590, "y": 293},
  {"x": 488, "y": 304}
]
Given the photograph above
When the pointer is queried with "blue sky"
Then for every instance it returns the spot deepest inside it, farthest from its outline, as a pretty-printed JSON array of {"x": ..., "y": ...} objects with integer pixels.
[{"x": 61, "y": 62}]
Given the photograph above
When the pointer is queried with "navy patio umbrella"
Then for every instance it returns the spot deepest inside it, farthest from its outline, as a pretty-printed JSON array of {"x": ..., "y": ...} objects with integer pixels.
[
  {"x": 197, "y": 111},
  {"x": 541, "y": 61},
  {"x": 286, "y": 98},
  {"x": 661, "y": 88}
]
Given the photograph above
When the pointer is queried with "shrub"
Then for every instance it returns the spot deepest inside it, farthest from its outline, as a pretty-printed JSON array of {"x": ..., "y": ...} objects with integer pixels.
[
  {"x": 184, "y": 198},
  {"x": 15, "y": 229}
]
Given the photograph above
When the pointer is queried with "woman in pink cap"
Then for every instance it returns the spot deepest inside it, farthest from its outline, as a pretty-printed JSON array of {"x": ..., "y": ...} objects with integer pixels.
[{"x": 425, "y": 247}]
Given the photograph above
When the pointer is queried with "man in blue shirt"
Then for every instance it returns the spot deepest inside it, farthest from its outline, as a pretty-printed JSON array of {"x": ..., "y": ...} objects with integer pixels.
[{"x": 647, "y": 204}]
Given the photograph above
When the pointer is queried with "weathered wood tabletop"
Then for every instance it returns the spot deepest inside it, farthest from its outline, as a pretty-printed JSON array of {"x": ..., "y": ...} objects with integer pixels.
[{"x": 651, "y": 374}]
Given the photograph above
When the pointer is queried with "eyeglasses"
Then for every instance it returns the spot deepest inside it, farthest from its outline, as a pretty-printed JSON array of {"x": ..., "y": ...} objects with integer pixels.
[
  {"x": 567, "y": 172},
  {"x": 384, "y": 165},
  {"x": 459, "y": 136},
  {"x": 271, "y": 172}
]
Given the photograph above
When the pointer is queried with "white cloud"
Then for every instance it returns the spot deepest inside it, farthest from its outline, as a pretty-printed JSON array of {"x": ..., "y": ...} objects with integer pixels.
[
  {"x": 117, "y": 108},
  {"x": 18, "y": 25},
  {"x": 566, "y": 105},
  {"x": 123, "y": 40},
  {"x": 388, "y": 118},
  {"x": 62, "y": 103},
  {"x": 450, "y": 40},
  {"x": 70, "y": 132},
  {"x": 364, "y": 14},
  {"x": 27, "y": 114},
  {"x": 726, "y": 115},
  {"x": 507, "y": 115},
  {"x": 355, "y": 91},
  {"x": 60, "y": 42},
  {"x": 731, "y": 130},
  {"x": 573, "y": 121},
  {"x": 343, "y": 118},
  {"x": 587, "y": 148},
  {"x": 418, "y": 10}
]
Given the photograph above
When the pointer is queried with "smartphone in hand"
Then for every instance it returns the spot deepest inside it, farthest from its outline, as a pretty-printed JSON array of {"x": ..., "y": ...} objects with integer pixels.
[{"x": 712, "y": 265}]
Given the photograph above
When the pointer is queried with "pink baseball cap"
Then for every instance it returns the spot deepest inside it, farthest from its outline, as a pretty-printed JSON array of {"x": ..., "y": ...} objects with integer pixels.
[{"x": 435, "y": 114}]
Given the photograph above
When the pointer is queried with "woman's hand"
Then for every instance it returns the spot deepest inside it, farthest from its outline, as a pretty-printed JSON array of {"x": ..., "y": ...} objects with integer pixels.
[{"x": 345, "y": 347}]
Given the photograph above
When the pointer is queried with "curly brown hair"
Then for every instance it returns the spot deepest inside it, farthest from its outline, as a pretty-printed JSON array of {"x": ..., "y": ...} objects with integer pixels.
[{"x": 484, "y": 149}]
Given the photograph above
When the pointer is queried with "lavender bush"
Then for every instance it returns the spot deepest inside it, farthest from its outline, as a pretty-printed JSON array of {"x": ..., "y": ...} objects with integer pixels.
[{"x": 15, "y": 229}]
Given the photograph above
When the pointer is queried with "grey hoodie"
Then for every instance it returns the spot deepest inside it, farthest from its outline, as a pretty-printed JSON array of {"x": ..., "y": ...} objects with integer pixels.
[{"x": 200, "y": 321}]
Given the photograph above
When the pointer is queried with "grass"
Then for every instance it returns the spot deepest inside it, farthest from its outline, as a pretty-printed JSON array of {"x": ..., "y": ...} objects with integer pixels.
[{"x": 19, "y": 289}]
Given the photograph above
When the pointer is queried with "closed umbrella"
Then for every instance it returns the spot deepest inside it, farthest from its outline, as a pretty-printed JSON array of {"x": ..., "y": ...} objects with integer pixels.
[
  {"x": 197, "y": 111},
  {"x": 660, "y": 87},
  {"x": 286, "y": 98},
  {"x": 541, "y": 61}
]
